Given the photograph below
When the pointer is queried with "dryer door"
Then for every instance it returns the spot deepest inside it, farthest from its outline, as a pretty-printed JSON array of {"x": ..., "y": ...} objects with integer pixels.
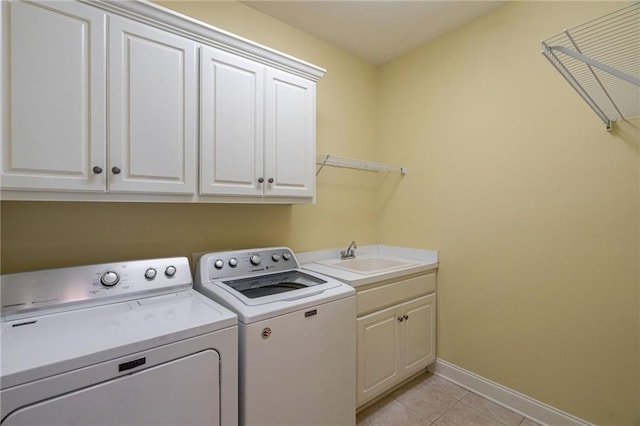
[{"x": 185, "y": 391}]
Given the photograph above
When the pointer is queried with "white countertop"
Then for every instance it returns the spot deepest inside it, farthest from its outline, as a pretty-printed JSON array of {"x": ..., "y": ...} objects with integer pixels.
[{"x": 423, "y": 261}]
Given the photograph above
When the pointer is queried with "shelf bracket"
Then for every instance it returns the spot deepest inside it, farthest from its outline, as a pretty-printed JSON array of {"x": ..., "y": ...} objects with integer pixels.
[
  {"x": 601, "y": 61},
  {"x": 356, "y": 164}
]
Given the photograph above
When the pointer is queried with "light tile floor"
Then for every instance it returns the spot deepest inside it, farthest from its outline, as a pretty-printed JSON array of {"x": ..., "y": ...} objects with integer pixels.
[{"x": 429, "y": 400}]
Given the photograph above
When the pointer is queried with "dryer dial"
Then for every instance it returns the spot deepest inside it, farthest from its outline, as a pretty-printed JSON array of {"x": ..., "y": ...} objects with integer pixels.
[
  {"x": 150, "y": 273},
  {"x": 109, "y": 278},
  {"x": 255, "y": 259}
]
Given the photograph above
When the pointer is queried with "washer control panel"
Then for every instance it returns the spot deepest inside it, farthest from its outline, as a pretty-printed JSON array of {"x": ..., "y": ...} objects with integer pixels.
[
  {"x": 237, "y": 263},
  {"x": 26, "y": 292}
]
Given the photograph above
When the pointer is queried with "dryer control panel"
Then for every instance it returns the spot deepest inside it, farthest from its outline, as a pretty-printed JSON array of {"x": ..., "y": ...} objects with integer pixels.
[{"x": 69, "y": 288}]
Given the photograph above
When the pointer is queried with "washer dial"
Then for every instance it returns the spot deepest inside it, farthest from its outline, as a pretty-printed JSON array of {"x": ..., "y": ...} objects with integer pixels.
[
  {"x": 170, "y": 271},
  {"x": 255, "y": 259}
]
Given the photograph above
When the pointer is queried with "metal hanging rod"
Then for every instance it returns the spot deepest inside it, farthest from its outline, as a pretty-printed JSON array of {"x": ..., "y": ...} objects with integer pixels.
[
  {"x": 353, "y": 163},
  {"x": 601, "y": 61}
]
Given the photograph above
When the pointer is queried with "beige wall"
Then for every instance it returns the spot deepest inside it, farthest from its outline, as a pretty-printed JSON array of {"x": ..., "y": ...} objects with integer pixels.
[
  {"x": 535, "y": 208},
  {"x": 45, "y": 235},
  {"x": 533, "y": 205}
]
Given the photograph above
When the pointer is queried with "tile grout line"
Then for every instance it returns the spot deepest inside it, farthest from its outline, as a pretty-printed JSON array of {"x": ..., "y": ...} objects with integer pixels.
[
  {"x": 443, "y": 392},
  {"x": 411, "y": 409},
  {"x": 490, "y": 416},
  {"x": 448, "y": 409}
]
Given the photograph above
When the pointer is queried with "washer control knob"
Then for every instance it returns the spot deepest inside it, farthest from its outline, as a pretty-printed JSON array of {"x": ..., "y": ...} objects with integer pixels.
[
  {"x": 233, "y": 262},
  {"x": 275, "y": 257},
  {"x": 170, "y": 271},
  {"x": 286, "y": 256},
  {"x": 255, "y": 259},
  {"x": 150, "y": 273},
  {"x": 218, "y": 264},
  {"x": 109, "y": 278}
]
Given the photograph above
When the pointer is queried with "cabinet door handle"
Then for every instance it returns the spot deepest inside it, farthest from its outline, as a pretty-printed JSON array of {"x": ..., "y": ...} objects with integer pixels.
[
  {"x": 260, "y": 180},
  {"x": 97, "y": 170},
  {"x": 406, "y": 317},
  {"x": 400, "y": 318},
  {"x": 116, "y": 170},
  {"x": 270, "y": 180}
]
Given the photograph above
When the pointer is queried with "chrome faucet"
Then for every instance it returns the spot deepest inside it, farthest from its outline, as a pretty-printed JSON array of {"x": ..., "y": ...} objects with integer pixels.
[{"x": 350, "y": 253}]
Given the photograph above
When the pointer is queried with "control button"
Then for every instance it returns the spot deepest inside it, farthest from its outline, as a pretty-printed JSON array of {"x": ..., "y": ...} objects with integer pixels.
[
  {"x": 109, "y": 278},
  {"x": 150, "y": 273},
  {"x": 255, "y": 259},
  {"x": 218, "y": 264},
  {"x": 170, "y": 271},
  {"x": 286, "y": 255},
  {"x": 233, "y": 262},
  {"x": 275, "y": 257}
]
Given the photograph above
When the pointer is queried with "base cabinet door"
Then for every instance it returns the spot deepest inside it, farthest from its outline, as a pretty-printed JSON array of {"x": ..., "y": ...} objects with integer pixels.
[
  {"x": 152, "y": 110},
  {"x": 393, "y": 344},
  {"x": 378, "y": 352},
  {"x": 418, "y": 334},
  {"x": 53, "y": 127}
]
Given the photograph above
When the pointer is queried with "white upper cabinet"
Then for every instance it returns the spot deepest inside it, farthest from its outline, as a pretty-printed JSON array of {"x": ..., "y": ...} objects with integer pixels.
[
  {"x": 128, "y": 101},
  {"x": 290, "y": 132},
  {"x": 232, "y": 124},
  {"x": 257, "y": 129},
  {"x": 54, "y": 104},
  {"x": 152, "y": 110}
]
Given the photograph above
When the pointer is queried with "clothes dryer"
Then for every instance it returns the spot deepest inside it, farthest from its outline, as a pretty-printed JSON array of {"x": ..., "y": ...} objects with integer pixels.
[{"x": 121, "y": 343}]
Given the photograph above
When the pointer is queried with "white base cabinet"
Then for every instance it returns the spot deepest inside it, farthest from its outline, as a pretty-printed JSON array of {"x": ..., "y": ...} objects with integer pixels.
[
  {"x": 101, "y": 101},
  {"x": 394, "y": 342}
]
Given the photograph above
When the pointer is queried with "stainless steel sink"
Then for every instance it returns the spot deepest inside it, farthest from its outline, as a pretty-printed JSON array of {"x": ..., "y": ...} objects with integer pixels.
[{"x": 369, "y": 264}]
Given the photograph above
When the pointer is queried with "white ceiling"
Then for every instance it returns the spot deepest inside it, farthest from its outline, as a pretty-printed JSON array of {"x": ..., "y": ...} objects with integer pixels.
[{"x": 376, "y": 30}]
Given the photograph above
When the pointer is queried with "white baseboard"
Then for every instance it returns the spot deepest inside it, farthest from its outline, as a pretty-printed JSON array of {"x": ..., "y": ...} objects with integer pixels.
[{"x": 502, "y": 395}]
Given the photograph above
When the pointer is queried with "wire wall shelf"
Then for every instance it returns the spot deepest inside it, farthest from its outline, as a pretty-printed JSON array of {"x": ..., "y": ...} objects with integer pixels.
[
  {"x": 353, "y": 163},
  {"x": 601, "y": 61}
]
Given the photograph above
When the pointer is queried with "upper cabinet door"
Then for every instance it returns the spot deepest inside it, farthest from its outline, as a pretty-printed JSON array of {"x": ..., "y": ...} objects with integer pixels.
[
  {"x": 54, "y": 99},
  {"x": 152, "y": 110},
  {"x": 290, "y": 135},
  {"x": 232, "y": 124}
]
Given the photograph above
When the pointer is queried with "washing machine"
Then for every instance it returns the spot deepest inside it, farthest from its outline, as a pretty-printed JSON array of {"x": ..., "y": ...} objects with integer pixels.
[
  {"x": 297, "y": 336},
  {"x": 125, "y": 343}
]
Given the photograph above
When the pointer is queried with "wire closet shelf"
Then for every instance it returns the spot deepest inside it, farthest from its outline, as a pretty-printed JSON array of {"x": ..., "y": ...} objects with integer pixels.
[
  {"x": 601, "y": 61},
  {"x": 353, "y": 163}
]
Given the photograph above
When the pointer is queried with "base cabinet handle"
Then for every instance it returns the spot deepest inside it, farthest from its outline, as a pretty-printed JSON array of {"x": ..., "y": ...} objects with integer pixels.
[
  {"x": 116, "y": 170},
  {"x": 97, "y": 170}
]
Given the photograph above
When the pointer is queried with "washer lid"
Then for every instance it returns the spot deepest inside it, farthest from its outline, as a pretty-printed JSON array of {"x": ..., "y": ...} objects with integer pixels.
[
  {"x": 266, "y": 285},
  {"x": 41, "y": 346},
  {"x": 267, "y": 289}
]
